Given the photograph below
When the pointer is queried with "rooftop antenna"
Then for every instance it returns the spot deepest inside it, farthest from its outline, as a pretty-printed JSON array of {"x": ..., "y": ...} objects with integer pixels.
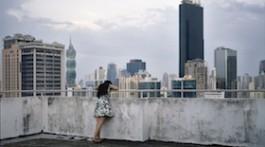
[
  {"x": 196, "y": 2},
  {"x": 187, "y": 1}
]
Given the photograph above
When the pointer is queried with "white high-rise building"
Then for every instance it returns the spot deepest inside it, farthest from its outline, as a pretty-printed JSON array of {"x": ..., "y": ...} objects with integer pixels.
[
  {"x": 198, "y": 70},
  {"x": 30, "y": 64},
  {"x": 212, "y": 80},
  {"x": 171, "y": 77},
  {"x": 128, "y": 83},
  {"x": 243, "y": 83},
  {"x": 100, "y": 76},
  {"x": 131, "y": 83},
  {"x": 165, "y": 81},
  {"x": 252, "y": 86}
]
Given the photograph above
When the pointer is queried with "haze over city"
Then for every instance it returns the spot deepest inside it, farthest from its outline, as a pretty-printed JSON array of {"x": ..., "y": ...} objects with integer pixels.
[{"x": 104, "y": 32}]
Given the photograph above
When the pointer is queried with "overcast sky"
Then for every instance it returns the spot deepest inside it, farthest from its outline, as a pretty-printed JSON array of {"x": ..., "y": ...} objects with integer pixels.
[{"x": 105, "y": 31}]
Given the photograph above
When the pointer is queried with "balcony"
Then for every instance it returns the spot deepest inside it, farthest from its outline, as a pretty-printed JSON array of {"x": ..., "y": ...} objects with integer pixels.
[{"x": 163, "y": 122}]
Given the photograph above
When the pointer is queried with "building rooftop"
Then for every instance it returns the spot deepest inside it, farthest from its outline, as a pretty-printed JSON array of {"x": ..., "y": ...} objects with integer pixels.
[
  {"x": 192, "y": 2},
  {"x": 27, "y": 40},
  {"x": 59, "y": 141},
  {"x": 69, "y": 121}
]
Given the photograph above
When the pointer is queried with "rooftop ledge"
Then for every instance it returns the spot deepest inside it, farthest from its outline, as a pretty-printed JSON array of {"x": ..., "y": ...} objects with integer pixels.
[{"x": 232, "y": 122}]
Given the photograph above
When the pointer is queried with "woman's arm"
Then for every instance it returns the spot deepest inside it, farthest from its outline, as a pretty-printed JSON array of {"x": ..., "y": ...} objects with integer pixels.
[{"x": 112, "y": 87}]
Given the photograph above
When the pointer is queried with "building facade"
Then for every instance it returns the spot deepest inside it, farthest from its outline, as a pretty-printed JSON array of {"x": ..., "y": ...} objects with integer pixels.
[
  {"x": 150, "y": 84},
  {"x": 11, "y": 70},
  {"x": 30, "y": 64},
  {"x": 197, "y": 69},
  {"x": 129, "y": 83},
  {"x": 112, "y": 73},
  {"x": 165, "y": 81},
  {"x": 183, "y": 84},
  {"x": 243, "y": 83},
  {"x": 262, "y": 67},
  {"x": 260, "y": 82},
  {"x": 226, "y": 69},
  {"x": 135, "y": 65},
  {"x": 212, "y": 80},
  {"x": 257, "y": 83},
  {"x": 100, "y": 76},
  {"x": 171, "y": 77},
  {"x": 190, "y": 33}
]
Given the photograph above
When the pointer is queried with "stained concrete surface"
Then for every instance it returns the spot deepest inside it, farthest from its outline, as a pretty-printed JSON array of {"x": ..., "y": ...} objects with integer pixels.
[
  {"x": 105, "y": 143},
  {"x": 235, "y": 122}
]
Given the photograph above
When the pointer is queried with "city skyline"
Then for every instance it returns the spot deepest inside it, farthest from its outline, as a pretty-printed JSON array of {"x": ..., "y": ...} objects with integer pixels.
[{"x": 156, "y": 42}]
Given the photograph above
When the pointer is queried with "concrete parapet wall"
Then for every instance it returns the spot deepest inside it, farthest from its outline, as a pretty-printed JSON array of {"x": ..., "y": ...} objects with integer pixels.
[
  {"x": 203, "y": 121},
  {"x": 20, "y": 116}
]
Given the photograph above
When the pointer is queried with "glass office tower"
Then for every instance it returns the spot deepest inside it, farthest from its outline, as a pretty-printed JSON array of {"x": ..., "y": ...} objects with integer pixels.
[
  {"x": 226, "y": 69},
  {"x": 135, "y": 65},
  {"x": 71, "y": 66},
  {"x": 190, "y": 33}
]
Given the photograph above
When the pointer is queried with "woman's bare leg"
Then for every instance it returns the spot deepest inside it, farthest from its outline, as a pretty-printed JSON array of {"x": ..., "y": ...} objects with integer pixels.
[{"x": 99, "y": 123}]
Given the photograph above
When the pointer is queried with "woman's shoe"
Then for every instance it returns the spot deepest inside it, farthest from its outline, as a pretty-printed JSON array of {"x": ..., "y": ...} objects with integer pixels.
[{"x": 97, "y": 140}]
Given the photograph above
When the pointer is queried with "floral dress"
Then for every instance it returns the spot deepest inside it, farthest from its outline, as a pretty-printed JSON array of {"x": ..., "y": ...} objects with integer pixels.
[{"x": 103, "y": 107}]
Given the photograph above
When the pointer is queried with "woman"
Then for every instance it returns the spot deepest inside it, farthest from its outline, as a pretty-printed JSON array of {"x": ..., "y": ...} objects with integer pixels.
[{"x": 103, "y": 107}]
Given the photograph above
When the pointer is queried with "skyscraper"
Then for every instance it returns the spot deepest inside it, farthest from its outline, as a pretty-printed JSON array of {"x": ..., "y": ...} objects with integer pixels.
[
  {"x": 260, "y": 82},
  {"x": 70, "y": 65},
  {"x": 1, "y": 66},
  {"x": 197, "y": 69},
  {"x": 212, "y": 80},
  {"x": 100, "y": 76},
  {"x": 226, "y": 68},
  {"x": 262, "y": 67},
  {"x": 243, "y": 82},
  {"x": 135, "y": 65},
  {"x": 129, "y": 83},
  {"x": 30, "y": 64},
  {"x": 112, "y": 73},
  {"x": 190, "y": 33},
  {"x": 165, "y": 81},
  {"x": 11, "y": 56}
]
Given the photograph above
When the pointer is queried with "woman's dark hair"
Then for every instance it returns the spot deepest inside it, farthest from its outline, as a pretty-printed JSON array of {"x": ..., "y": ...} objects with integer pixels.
[{"x": 103, "y": 88}]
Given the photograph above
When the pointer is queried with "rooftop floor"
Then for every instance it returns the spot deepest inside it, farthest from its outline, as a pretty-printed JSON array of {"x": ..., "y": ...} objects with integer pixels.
[{"x": 82, "y": 142}]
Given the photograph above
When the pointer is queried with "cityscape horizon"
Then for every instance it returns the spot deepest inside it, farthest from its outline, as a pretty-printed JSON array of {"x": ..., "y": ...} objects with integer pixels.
[
  {"x": 160, "y": 58},
  {"x": 160, "y": 76}
]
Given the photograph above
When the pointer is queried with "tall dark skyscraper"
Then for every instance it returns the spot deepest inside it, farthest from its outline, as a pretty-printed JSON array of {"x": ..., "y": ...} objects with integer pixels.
[
  {"x": 191, "y": 41},
  {"x": 226, "y": 68},
  {"x": 262, "y": 67},
  {"x": 135, "y": 66}
]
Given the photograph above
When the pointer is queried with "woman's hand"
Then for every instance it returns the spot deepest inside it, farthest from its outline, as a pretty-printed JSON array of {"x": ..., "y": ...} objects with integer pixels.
[{"x": 112, "y": 87}]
